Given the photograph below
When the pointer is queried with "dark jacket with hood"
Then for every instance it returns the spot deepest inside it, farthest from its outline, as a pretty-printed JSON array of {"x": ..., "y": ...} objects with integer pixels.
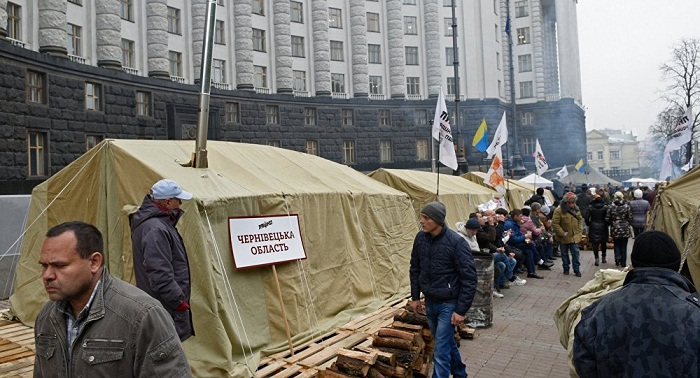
[
  {"x": 597, "y": 225},
  {"x": 619, "y": 217},
  {"x": 160, "y": 262}
]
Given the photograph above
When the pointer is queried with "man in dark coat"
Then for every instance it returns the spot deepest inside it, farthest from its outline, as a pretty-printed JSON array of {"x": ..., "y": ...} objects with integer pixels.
[
  {"x": 160, "y": 260},
  {"x": 598, "y": 227},
  {"x": 650, "y": 327}
]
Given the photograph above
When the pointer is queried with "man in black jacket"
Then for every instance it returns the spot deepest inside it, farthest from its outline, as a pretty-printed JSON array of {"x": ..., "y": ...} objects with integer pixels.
[{"x": 442, "y": 268}]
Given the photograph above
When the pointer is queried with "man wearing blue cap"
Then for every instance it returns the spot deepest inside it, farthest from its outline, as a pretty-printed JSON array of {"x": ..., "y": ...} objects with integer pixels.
[{"x": 160, "y": 260}]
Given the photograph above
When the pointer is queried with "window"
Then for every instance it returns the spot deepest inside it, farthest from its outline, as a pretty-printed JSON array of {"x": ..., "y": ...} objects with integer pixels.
[
  {"x": 312, "y": 147},
  {"x": 233, "y": 113},
  {"x": 523, "y": 36},
  {"x": 500, "y": 89},
  {"x": 92, "y": 140},
  {"x": 410, "y": 25},
  {"x": 14, "y": 21},
  {"x": 411, "y": 56},
  {"x": 299, "y": 80},
  {"x": 589, "y": 155},
  {"x": 375, "y": 85},
  {"x": 127, "y": 53},
  {"x": 373, "y": 22},
  {"x": 446, "y": 3},
  {"x": 448, "y": 26},
  {"x": 37, "y": 151},
  {"x": 421, "y": 117},
  {"x": 496, "y": 32},
  {"x": 93, "y": 96},
  {"x": 525, "y": 63},
  {"x": 36, "y": 87},
  {"x": 74, "y": 43},
  {"x": 260, "y": 79},
  {"x": 348, "y": 152},
  {"x": 272, "y": 114},
  {"x": 409, "y": 2},
  {"x": 521, "y": 9},
  {"x": 143, "y": 104},
  {"x": 384, "y": 151},
  {"x": 421, "y": 149},
  {"x": 220, "y": 3},
  {"x": 175, "y": 59},
  {"x": 298, "y": 46},
  {"x": 274, "y": 143},
  {"x": 614, "y": 155},
  {"x": 526, "y": 118},
  {"x": 297, "y": 11},
  {"x": 219, "y": 33},
  {"x": 413, "y": 85},
  {"x": 449, "y": 56},
  {"x": 384, "y": 117},
  {"x": 374, "y": 53},
  {"x": 451, "y": 89},
  {"x": 600, "y": 155},
  {"x": 218, "y": 71},
  {"x": 173, "y": 20},
  {"x": 259, "y": 7},
  {"x": 348, "y": 117},
  {"x": 337, "y": 83},
  {"x": 259, "y": 40},
  {"x": 310, "y": 117},
  {"x": 127, "y": 10},
  {"x": 337, "y": 50},
  {"x": 335, "y": 18},
  {"x": 526, "y": 89},
  {"x": 529, "y": 146},
  {"x": 495, "y": 6},
  {"x": 498, "y": 60}
]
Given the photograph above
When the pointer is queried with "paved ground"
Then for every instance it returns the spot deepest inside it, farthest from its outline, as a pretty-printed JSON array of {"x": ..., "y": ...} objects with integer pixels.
[{"x": 524, "y": 341}]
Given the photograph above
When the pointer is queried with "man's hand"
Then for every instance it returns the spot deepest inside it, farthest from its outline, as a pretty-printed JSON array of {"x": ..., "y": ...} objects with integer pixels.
[
  {"x": 457, "y": 319},
  {"x": 417, "y": 307}
]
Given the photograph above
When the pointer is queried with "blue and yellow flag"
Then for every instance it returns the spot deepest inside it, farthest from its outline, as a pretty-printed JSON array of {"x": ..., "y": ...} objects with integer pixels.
[
  {"x": 481, "y": 138},
  {"x": 580, "y": 166}
]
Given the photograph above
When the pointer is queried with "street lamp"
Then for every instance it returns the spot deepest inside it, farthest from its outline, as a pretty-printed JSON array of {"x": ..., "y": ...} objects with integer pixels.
[
  {"x": 518, "y": 168},
  {"x": 462, "y": 163}
]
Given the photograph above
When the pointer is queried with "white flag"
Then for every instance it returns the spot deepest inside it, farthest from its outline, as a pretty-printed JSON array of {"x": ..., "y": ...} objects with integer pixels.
[
  {"x": 499, "y": 138},
  {"x": 563, "y": 172},
  {"x": 443, "y": 134},
  {"x": 666, "y": 172},
  {"x": 494, "y": 177},
  {"x": 683, "y": 132},
  {"x": 688, "y": 166},
  {"x": 540, "y": 162}
]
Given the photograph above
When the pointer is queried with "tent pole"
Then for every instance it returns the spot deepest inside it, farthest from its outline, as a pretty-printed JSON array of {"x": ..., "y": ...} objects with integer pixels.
[{"x": 284, "y": 311}]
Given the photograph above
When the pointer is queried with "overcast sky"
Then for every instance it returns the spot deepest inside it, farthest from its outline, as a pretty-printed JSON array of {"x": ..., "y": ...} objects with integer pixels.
[{"x": 622, "y": 44}]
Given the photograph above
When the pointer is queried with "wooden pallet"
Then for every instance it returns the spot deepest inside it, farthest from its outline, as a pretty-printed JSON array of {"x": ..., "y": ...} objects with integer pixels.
[
  {"x": 318, "y": 354},
  {"x": 16, "y": 349}
]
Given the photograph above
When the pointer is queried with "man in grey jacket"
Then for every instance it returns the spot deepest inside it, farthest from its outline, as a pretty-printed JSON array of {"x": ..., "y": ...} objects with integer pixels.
[
  {"x": 160, "y": 260},
  {"x": 96, "y": 324}
]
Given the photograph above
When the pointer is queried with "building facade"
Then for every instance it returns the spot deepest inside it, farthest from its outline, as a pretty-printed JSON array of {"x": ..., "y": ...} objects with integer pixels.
[
  {"x": 321, "y": 63},
  {"x": 614, "y": 153}
]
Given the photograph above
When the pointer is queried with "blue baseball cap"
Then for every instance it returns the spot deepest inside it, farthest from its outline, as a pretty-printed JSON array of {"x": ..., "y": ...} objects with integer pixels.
[{"x": 167, "y": 188}]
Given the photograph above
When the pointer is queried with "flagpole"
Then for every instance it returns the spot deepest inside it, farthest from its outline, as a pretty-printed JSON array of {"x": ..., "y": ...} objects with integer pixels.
[{"x": 437, "y": 191}]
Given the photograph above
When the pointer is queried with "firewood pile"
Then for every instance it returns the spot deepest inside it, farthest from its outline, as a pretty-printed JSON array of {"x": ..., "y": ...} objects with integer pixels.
[{"x": 404, "y": 349}]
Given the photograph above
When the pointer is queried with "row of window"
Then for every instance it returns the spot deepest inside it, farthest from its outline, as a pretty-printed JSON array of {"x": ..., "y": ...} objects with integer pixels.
[
  {"x": 614, "y": 155},
  {"x": 272, "y": 115}
]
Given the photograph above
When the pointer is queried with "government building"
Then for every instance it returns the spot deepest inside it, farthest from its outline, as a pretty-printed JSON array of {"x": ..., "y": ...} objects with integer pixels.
[{"x": 352, "y": 81}]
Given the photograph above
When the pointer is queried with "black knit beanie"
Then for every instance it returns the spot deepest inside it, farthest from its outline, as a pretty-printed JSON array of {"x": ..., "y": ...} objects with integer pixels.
[
  {"x": 435, "y": 211},
  {"x": 655, "y": 249}
]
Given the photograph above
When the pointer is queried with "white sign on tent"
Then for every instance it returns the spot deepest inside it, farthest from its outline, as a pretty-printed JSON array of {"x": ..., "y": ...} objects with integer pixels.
[{"x": 265, "y": 240}]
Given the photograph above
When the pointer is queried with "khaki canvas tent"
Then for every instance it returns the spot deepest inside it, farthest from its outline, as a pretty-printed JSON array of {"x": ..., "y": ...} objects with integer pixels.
[
  {"x": 356, "y": 231},
  {"x": 461, "y": 197},
  {"x": 516, "y": 192},
  {"x": 677, "y": 212},
  {"x": 591, "y": 176}
]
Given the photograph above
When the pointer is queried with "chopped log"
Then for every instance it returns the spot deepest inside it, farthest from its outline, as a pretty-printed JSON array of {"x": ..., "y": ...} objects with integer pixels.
[
  {"x": 401, "y": 372},
  {"x": 403, "y": 357},
  {"x": 384, "y": 369},
  {"x": 466, "y": 332},
  {"x": 392, "y": 342},
  {"x": 423, "y": 371},
  {"x": 368, "y": 357},
  {"x": 397, "y": 333},
  {"x": 353, "y": 366},
  {"x": 385, "y": 357},
  {"x": 374, "y": 373},
  {"x": 411, "y": 318},
  {"x": 427, "y": 335},
  {"x": 406, "y": 326},
  {"x": 332, "y": 372}
]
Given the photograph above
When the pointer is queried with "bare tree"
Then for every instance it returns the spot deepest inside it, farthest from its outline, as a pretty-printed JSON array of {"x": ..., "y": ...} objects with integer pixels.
[{"x": 659, "y": 133}]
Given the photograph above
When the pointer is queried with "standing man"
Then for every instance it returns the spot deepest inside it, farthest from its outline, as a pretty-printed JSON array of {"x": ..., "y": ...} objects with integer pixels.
[
  {"x": 160, "y": 260},
  {"x": 96, "y": 324},
  {"x": 567, "y": 224},
  {"x": 650, "y": 327},
  {"x": 442, "y": 268}
]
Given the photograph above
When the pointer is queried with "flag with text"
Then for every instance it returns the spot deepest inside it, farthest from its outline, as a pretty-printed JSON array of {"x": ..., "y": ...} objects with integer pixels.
[
  {"x": 540, "y": 162},
  {"x": 443, "y": 134}
]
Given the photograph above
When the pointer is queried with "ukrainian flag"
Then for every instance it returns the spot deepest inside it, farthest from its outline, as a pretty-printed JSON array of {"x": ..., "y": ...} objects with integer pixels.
[
  {"x": 580, "y": 166},
  {"x": 481, "y": 138}
]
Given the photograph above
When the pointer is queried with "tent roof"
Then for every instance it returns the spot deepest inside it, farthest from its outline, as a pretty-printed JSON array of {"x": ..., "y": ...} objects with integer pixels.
[
  {"x": 534, "y": 179},
  {"x": 594, "y": 176},
  {"x": 517, "y": 192}
]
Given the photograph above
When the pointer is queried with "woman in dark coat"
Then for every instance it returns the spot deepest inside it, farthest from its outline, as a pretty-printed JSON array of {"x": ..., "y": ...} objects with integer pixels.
[
  {"x": 597, "y": 227},
  {"x": 619, "y": 217}
]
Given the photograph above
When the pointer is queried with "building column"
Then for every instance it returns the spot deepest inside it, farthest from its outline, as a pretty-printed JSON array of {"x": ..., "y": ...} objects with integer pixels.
[
  {"x": 3, "y": 19},
  {"x": 157, "y": 38},
  {"x": 567, "y": 44},
  {"x": 108, "y": 25},
  {"x": 358, "y": 40},
  {"x": 243, "y": 34},
  {"x": 397, "y": 50},
  {"x": 199, "y": 21},
  {"x": 322, "y": 49},
  {"x": 431, "y": 11},
  {"x": 283, "y": 46},
  {"x": 52, "y": 27}
]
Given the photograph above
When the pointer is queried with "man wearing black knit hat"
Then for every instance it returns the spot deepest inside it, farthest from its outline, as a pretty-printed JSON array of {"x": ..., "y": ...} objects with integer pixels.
[
  {"x": 442, "y": 268},
  {"x": 650, "y": 326}
]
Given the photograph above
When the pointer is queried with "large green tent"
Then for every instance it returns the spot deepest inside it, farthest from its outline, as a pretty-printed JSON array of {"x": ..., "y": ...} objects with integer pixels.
[{"x": 356, "y": 231}]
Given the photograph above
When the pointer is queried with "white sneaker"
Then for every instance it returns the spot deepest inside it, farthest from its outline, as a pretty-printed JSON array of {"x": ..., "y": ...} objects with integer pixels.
[
  {"x": 540, "y": 262},
  {"x": 519, "y": 281},
  {"x": 497, "y": 294}
]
